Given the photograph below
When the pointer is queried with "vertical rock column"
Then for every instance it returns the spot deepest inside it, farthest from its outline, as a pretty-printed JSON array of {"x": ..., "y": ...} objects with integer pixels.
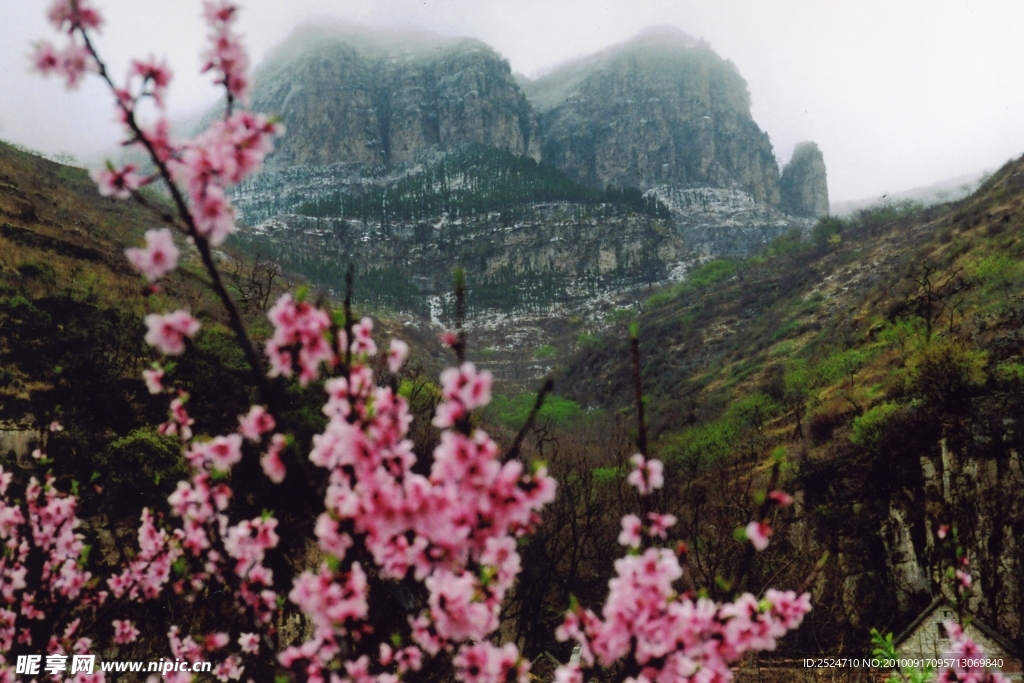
[{"x": 804, "y": 186}]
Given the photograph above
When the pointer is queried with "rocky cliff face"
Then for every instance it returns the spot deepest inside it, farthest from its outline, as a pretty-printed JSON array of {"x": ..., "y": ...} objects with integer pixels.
[
  {"x": 376, "y": 124},
  {"x": 661, "y": 109},
  {"x": 381, "y": 102},
  {"x": 726, "y": 222},
  {"x": 555, "y": 272},
  {"x": 803, "y": 185}
]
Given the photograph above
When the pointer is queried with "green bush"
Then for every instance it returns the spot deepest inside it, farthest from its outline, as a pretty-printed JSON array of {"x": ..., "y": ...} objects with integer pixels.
[
  {"x": 869, "y": 428},
  {"x": 841, "y": 366},
  {"x": 710, "y": 273},
  {"x": 139, "y": 470},
  {"x": 945, "y": 373},
  {"x": 702, "y": 445},
  {"x": 827, "y": 232},
  {"x": 546, "y": 351},
  {"x": 511, "y": 412},
  {"x": 753, "y": 410},
  {"x": 606, "y": 474},
  {"x": 999, "y": 273},
  {"x": 39, "y": 270}
]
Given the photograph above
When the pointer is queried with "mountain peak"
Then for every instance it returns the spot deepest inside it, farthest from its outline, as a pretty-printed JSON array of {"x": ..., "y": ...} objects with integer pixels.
[
  {"x": 377, "y": 42},
  {"x": 374, "y": 97}
]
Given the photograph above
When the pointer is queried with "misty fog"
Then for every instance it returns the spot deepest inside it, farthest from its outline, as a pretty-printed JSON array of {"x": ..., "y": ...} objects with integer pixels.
[{"x": 897, "y": 95}]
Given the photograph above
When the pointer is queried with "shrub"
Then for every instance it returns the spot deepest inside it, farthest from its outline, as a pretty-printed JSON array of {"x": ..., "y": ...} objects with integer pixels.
[
  {"x": 869, "y": 428},
  {"x": 710, "y": 273},
  {"x": 945, "y": 374},
  {"x": 544, "y": 352}
]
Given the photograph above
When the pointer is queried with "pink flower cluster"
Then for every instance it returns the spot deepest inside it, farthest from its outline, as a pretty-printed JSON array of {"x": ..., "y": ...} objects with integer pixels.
[
  {"x": 158, "y": 257},
  {"x": 968, "y": 657},
  {"x": 168, "y": 332},
  {"x": 203, "y": 167},
  {"x": 670, "y": 637},
  {"x": 72, "y": 62},
  {"x": 44, "y": 525},
  {"x": 217, "y": 158},
  {"x": 231, "y": 555},
  {"x": 454, "y": 530},
  {"x": 462, "y": 390},
  {"x": 119, "y": 183},
  {"x": 647, "y": 475},
  {"x": 487, "y": 663},
  {"x": 300, "y": 339},
  {"x": 226, "y": 57}
]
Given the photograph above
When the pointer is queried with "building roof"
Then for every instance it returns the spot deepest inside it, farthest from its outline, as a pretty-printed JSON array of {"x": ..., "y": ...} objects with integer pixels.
[{"x": 1000, "y": 640}]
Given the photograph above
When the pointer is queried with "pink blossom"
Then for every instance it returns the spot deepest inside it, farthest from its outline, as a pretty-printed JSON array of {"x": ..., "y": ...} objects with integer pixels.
[
  {"x": 630, "y": 535},
  {"x": 462, "y": 390},
  {"x": 167, "y": 332},
  {"x": 362, "y": 342},
  {"x": 46, "y": 59},
  {"x": 943, "y": 531},
  {"x": 250, "y": 643},
  {"x": 569, "y": 673},
  {"x": 647, "y": 474},
  {"x": 256, "y": 423},
  {"x": 271, "y": 462},
  {"x": 299, "y": 338},
  {"x": 456, "y": 613},
  {"x": 225, "y": 55},
  {"x": 215, "y": 641},
  {"x": 757, "y": 534},
  {"x": 154, "y": 377},
  {"x": 68, "y": 15},
  {"x": 488, "y": 663},
  {"x": 230, "y": 669},
  {"x": 180, "y": 422},
  {"x": 155, "y": 73},
  {"x": 56, "y": 426},
  {"x": 158, "y": 257},
  {"x": 124, "y": 632},
  {"x": 967, "y": 658},
  {"x": 781, "y": 498},
  {"x": 71, "y": 63},
  {"x": 222, "y": 452},
  {"x": 120, "y": 184},
  {"x": 331, "y": 603},
  {"x": 214, "y": 215},
  {"x": 660, "y": 524},
  {"x": 159, "y": 137},
  {"x": 397, "y": 354}
]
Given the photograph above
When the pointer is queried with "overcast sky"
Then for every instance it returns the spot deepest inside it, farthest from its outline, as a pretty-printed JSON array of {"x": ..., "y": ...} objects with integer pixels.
[{"x": 897, "y": 93}]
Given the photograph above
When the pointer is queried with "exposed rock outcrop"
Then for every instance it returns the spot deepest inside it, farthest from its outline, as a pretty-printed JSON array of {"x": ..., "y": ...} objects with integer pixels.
[
  {"x": 382, "y": 101},
  {"x": 804, "y": 185},
  {"x": 726, "y": 222},
  {"x": 660, "y": 109}
]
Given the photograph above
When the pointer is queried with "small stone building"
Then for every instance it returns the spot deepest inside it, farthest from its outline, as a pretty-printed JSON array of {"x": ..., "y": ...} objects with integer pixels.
[{"x": 926, "y": 638}]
